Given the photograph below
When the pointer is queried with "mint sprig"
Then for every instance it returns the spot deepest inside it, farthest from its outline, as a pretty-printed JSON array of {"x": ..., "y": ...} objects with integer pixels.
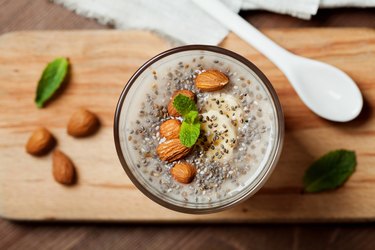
[
  {"x": 330, "y": 171},
  {"x": 191, "y": 126}
]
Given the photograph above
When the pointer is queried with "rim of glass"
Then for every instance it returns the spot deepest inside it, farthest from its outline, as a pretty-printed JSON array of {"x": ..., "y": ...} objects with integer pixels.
[{"x": 273, "y": 158}]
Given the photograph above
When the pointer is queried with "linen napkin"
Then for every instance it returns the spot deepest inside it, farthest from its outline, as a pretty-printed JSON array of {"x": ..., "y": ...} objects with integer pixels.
[
  {"x": 302, "y": 8},
  {"x": 181, "y": 21},
  {"x": 185, "y": 23}
]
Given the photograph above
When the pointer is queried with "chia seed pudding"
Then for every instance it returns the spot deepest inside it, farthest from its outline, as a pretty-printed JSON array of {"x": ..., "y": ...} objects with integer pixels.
[{"x": 241, "y": 129}]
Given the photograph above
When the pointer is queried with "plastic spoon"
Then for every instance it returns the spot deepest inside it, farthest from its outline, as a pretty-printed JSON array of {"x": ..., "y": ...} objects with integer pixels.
[{"x": 326, "y": 90}]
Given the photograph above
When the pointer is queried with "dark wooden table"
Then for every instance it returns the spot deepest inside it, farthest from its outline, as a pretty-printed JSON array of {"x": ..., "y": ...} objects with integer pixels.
[{"x": 40, "y": 14}]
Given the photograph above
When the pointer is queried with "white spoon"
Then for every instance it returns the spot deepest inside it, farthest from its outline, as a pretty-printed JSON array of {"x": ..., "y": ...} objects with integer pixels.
[{"x": 326, "y": 90}]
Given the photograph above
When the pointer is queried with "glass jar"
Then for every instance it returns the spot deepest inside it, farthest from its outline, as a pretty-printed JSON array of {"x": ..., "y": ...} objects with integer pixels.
[{"x": 149, "y": 89}]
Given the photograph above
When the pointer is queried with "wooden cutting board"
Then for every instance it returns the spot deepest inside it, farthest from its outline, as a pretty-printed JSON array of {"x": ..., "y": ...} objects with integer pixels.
[{"x": 103, "y": 61}]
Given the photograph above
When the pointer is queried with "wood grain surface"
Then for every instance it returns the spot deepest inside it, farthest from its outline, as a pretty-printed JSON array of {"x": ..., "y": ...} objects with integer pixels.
[{"x": 102, "y": 62}]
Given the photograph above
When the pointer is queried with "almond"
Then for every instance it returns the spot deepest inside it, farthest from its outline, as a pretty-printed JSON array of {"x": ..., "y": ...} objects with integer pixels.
[
  {"x": 170, "y": 129},
  {"x": 211, "y": 80},
  {"x": 40, "y": 142},
  {"x": 172, "y": 150},
  {"x": 183, "y": 172},
  {"x": 62, "y": 169},
  {"x": 82, "y": 123},
  {"x": 171, "y": 109}
]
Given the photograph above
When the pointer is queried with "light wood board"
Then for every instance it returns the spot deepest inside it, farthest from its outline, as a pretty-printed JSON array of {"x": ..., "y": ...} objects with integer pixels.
[{"x": 103, "y": 61}]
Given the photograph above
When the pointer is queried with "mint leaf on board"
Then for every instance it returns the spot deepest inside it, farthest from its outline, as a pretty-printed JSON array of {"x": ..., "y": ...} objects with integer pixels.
[
  {"x": 330, "y": 171},
  {"x": 51, "y": 79},
  {"x": 184, "y": 104},
  {"x": 189, "y": 133}
]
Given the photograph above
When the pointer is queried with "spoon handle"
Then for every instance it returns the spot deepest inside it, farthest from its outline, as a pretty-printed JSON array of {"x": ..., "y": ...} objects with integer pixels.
[{"x": 246, "y": 31}]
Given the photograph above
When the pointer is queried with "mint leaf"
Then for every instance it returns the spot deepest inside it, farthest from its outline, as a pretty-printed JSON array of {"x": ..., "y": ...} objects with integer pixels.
[
  {"x": 191, "y": 117},
  {"x": 190, "y": 127},
  {"x": 51, "y": 79},
  {"x": 184, "y": 104},
  {"x": 330, "y": 171},
  {"x": 189, "y": 133}
]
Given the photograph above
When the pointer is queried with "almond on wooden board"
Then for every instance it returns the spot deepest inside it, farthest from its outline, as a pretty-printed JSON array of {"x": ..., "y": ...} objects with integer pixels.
[
  {"x": 211, "y": 80},
  {"x": 171, "y": 109},
  {"x": 63, "y": 169},
  {"x": 83, "y": 123},
  {"x": 40, "y": 142},
  {"x": 183, "y": 172},
  {"x": 172, "y": 150},
  {"x": 170, "y": 129}
]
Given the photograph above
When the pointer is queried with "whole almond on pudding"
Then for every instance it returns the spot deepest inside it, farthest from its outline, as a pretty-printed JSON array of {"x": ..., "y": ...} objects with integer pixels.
[
  {"x": 172, "y": 150},
  {"x": 82, "y": 123},
  {"x": 211, "y": 80},
  {"x": 62, "y": 168},
  {"x": 183, "y": 172},
  {"x": 40, "y": 142},
  {"x": 170, "y": 129},
  {"x": 171, "y": 109}
]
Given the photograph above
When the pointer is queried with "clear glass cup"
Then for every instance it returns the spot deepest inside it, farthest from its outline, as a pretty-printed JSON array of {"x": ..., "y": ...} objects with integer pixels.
[{"x": 128, "y": 106}]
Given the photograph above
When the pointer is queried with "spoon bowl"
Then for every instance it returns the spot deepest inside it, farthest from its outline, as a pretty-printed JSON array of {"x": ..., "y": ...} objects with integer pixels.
[{"x": 326, "y": 90}]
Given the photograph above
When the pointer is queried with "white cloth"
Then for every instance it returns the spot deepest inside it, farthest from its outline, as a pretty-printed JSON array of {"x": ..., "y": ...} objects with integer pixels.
[
  {"x": 302, "y": 8},
  {"x": 298, "y": 8},
  {"x": 184, "y": 22}
]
